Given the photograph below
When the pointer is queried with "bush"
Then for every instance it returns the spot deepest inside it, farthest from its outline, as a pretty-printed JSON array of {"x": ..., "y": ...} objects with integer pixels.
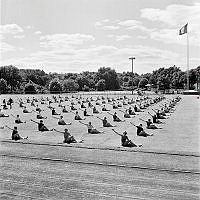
[
  {"x": 30, "y": 89},
  {"x": 55, "y": 86},
  {"x": 70, "y": 85},
  {"x": 101, "y": 85},
  {"x": 86, "y": 88},
  {"x": 3, "y": 86}
]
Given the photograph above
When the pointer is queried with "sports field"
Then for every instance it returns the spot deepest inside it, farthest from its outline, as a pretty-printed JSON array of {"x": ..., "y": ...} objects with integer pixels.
[
  {"x": 42, "y": 167},
  {"x": 180, "y": 132}
]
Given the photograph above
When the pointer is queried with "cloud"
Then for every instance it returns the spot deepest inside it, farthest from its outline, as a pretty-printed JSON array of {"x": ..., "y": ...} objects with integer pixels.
[
  {"x": 5, "y": 47},
  {"x": 110, "y": 28},
  {"x": 133, "y": 25},
  {"x": 37, "y": 32},
  {"x": 70, "y": 59},
  {"x": 28, "y": 27},
  {"x": 122, "y": 25},
  {"x": 62, "y": 41},
  {"x": 171, "y": 36},
  {"x": 119, "y": 37},
  {"x": 19, "y": 36},
  {"x": 175, "y": 14},
  {"x": 171, "y": 19},
  {"x": 10, "y": 29},
  {"x": 106, "y": 25}
]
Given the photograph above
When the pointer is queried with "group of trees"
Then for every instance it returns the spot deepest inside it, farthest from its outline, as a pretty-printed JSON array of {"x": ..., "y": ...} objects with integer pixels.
[{"x": 34, "y": 81}]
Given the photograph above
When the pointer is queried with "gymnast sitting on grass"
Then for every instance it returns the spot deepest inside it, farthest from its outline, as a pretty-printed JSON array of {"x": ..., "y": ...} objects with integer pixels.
[
  {"x": 91, "y": 129},
  {"x": 61, "y": 121},
  {"x": 140, "y": 131},
  {"x": 116, "y": 118},
  {"x": 105, "y": 122},
  {"x": 2, "y": 114},
  {"x": 18, "y": 120},
  {"x": 15, "y": 134},
  {"x": 41, "y": 126},
  {"x": 125, "y": 141},
  {"x": 68, "y": 138},
  {"x": 150, "y": 125},
  {"x": 53, "y": 112}
]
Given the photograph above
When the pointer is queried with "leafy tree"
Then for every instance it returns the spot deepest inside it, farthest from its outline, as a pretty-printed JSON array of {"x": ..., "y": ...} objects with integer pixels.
[
  {"x": 192, "y": 77},
  {"x": 142, "y": 83},
  {"x": 82, "y": 81},
  {"x": 86, "y": 88},
  {"x": 55, "y": 86},
  {"x": 101, "y": 85},
  {"x": 11, "y": 75},
  {"x": 135, "y": 82},
  {"x": 3, "y": 86},
  {"x": 30, "y": 88},
  {"x": 70, "y": 85},
  {"x": 110, "y": 77}
]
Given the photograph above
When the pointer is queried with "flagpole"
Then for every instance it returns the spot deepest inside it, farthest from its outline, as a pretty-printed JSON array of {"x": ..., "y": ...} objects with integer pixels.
[{"x": 188, "y": 84}]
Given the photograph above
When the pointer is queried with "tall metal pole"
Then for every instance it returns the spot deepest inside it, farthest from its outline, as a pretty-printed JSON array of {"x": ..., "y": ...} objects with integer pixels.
[
  {"x": 188, "y": 84},
  {"x": 132, "y": 58}
]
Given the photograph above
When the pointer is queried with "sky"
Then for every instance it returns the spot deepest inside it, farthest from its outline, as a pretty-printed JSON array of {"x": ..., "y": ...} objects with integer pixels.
[{"x": 83, "y": 35}]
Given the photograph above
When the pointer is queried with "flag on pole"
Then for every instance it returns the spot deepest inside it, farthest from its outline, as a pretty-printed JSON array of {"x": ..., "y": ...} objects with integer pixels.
[{"x": 183, "y": 30}]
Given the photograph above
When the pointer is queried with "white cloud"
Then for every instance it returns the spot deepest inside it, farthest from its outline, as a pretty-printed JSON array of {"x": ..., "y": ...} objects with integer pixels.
[
  {"x": 122, "y": 25},
  {"x": 175, "y": 14},
  {"x": 172, "y": 18},
  {"x": 62, "y": 41},
  {"x": 19, "y": 36},
  {"x": 37, "y": 32},
  {"x": 10, "y": 29},
  {"x": 70, "y": 60},
  {"x": 119, "y": 37},
  {"x": 106, "y": 25},
  {"x": 129, "y": 23},
  {"x": 5, "y": 47},
  {"x": 142, "y": 37},
  {"x": 28, "y": 27},
  {"x": 133, "y": 25},
  {"x": 110, "y": 28}
]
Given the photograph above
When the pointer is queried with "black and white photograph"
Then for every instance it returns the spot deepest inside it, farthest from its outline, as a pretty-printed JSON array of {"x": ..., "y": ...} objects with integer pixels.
[{"x": 100, "y": 100}]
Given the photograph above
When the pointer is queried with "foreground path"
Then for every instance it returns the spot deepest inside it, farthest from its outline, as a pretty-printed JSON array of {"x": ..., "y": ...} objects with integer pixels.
[{"x": 52, "y": 172}]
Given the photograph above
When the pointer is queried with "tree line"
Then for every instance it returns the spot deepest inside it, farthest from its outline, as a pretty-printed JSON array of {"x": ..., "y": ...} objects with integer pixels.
[{"x": 32, "y": 81}]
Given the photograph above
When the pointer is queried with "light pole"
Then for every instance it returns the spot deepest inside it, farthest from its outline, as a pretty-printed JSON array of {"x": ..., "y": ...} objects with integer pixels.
[{"x": 132, "y": 58}]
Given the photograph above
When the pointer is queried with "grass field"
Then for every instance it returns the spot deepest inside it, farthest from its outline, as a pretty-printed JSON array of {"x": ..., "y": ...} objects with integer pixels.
[{"x": 179, "y": 133}]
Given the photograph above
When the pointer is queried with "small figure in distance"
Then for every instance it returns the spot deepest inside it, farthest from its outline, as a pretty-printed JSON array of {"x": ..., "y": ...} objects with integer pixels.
[
  {"x": 150, "y": 125},
  {"x": 61, "y": 121},
  {"x": 64, "y": 110},
  {"x": 25, "y": 110},
  {"x": 105, "y": 122},
  {"x": 95, "y": 111},
  {"x": 104, "y": 108},
  {"x": 2, "y": 114},
  {"x": 53, "y": 112},
  {"x": 18, "y": 120},
  {"x": 39, "y": 116},
  {"x": 85, "y": 113},
  {"x": 116, "y": 118},
  {"x": 77, "y": 116}
]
